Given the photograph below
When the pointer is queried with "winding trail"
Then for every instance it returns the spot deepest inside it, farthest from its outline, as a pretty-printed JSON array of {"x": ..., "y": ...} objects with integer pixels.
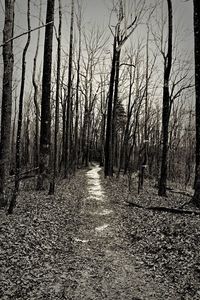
[
  {"x": 104, "y": 268},
  {"x": 84, "y": 244}
]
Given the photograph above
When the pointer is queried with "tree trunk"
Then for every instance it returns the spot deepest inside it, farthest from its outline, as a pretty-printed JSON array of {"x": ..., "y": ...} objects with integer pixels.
[
  {"x": 85, "y": 121},
  {"x": 115, "y": 101},
  {"x": 20, "y": 116},
  {"x": 196, "y": 196},
  {"x": 146, "y": 137},
  {"x": 52, "y": 184},
  {"x": 45, "y": 130},
  {"x": 13, "y": 140},
  {"x": 108, "y": 170},
  {"x": 35, "y": 97},
  {"x": 166, "y": 106},
  {"x": 77, "y": 96},
  {"x": 69, "y": 96},
  {"x": 124, "y": 148},
  {"x": 6, "y": 109}
]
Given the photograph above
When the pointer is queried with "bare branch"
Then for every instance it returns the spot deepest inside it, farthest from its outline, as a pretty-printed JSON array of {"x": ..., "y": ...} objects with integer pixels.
[{"x": 24, "y": 33}]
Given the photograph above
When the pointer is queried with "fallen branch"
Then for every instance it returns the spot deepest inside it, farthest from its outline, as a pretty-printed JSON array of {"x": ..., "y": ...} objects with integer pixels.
[
  {"x": 24, "y": 175},
  {"x": 165, "y": 209},
  {"x": 24, "y": 33},
  {"x": 181, "y": 193},
  {"x": 177, "y": 192},
  {"x": 29, "y": 171}
]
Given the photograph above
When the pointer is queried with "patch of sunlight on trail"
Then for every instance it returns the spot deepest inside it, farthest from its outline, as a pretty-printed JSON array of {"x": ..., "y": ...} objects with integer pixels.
[
  {"x": 80, "y": 240},
  {"x": 96, "y": 192},
  {"x": 101, "y": 228},
  {"x": 104, "y": 212},
  {"x": 94, "y": 186}
]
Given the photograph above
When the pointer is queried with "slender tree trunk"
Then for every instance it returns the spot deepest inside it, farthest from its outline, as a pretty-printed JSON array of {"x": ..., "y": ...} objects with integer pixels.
[
  {"x": 64, "y": 130},
  {"x": 69, "y": 96},
  {"x": 45, "y": 129},
  {"x": 115, "y": 101},
  {"x": 188, "y": 156},
  {"x": 196, "y": 196},
  {"x": 35, "y": 97},
  {"x": 20, "y": 116},
  {"x": 129, "y": 152},
  {"x": 85, "y": 120},
  {"x": 146, "y": 138},
  {"x": 52, "y": 184},
  {"x": 25, "y": 141},
  {"x": 77, "y": 97},
  {"x": 103, "y": 123},
  {"x": 13, "y": 146},
  {"x": 6, "y": 109},
  {"x": 124, "y": 148},
  {"x": 108, "y": 170},
  {"x": 166, "y": 106},
  {"x": 102, "y": 138},
  {"x": 89, "y": 120}
]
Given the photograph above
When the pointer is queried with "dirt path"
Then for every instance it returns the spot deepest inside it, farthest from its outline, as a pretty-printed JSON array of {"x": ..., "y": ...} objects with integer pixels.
[
  {"x": 84, "y": 243},
  {"x": 104, "y": 267}
]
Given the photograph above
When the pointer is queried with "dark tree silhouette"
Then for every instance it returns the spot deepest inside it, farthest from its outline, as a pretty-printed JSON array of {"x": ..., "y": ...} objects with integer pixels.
[
  {"x": 79, "y": 23},
  {"x": 20, "y": 115},
  {"x": 120, "y": 37},
  {"x": 196, "y": 196},
  {"x": 6, "y": 109},
  {"x": 56, "y": 128},
  {"x": 45, "y": 130},
  {"x": 108, "y": 171},
  {"x": 35, "y": 97},
  {"x": 166, "y": 105},
  {"x": 69, "y": 97}
]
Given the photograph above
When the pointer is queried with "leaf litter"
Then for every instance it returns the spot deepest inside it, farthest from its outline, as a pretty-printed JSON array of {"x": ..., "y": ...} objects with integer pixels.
[{"x": 68, "y": 246}]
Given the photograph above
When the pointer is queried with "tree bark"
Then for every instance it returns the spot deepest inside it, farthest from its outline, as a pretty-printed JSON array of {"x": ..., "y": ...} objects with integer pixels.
[
  {"x": 6, "y": 109},
  {"x": 77, "y": 95},
  {"x": 108, "y": 170},
  {"x": 20, "y": 116},
  {"x": 45, "y": 130},
  {"x": 115, "y": 102},
  {"x": 52, "y": 184},
  {"x": 35, "y": 97},
  {"x": 196, "y": 196},
  {"x": 166, "y": 106},
  {"x": 146, "y": 137},
  {"x": 69, "y": 96}
]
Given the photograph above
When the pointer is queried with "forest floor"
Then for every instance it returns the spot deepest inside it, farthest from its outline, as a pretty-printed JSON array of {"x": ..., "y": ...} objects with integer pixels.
[{"x": 86, "y": 242}]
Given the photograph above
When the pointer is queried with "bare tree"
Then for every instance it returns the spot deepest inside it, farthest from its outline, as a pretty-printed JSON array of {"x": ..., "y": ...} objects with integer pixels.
[{"x": 121, "y": 34}]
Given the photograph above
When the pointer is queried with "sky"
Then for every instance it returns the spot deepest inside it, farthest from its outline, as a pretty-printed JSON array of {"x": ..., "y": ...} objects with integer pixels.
[{"x": 95, "y": 14}]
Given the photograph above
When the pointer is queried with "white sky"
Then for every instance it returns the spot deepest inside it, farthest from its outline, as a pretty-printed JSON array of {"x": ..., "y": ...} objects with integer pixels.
[{"x": 96, "y": 13}]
